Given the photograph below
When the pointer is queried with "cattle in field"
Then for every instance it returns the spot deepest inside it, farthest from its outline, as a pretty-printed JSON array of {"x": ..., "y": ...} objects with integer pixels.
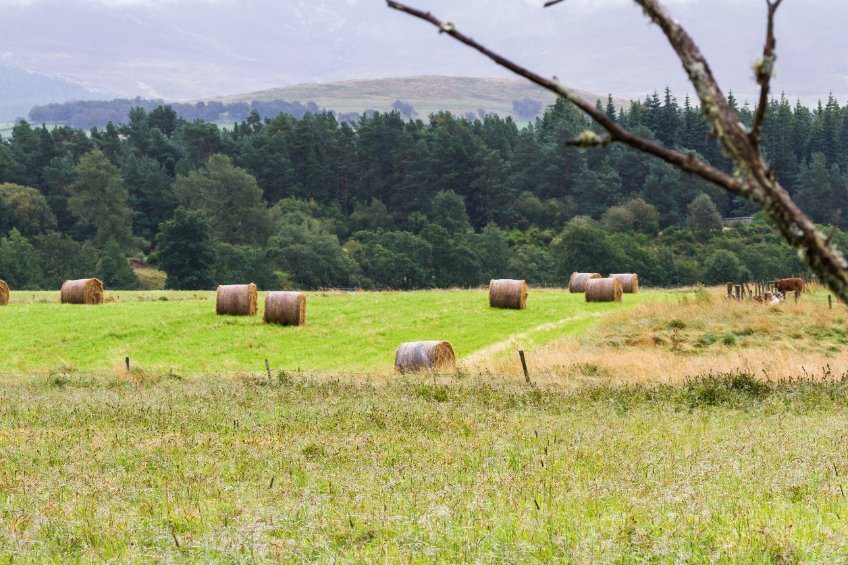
[{"x": 786, "y": 285}]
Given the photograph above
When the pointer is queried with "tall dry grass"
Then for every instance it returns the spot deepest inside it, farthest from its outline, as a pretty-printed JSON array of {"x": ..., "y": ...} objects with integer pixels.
[{"x": 695, "y": 335}]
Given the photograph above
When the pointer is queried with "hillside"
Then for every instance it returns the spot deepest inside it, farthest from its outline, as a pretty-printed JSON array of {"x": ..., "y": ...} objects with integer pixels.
[
  {"x": 20, "y": 90},
  {"x": 426, "y": 94},
  {"x": 414, "y": 97}
]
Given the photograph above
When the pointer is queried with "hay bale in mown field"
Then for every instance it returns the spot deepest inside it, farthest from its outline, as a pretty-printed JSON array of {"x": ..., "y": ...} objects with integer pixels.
[
  {"x": 4, "y": 293},
  {"x": 508, "y": 293},
  {"x": 603, "y": 290},
  {"x": 285, "y": 308},
  {"x": 577, "y": 282},
  {"x": 629, "y": 282},
  {"x": 82, "y": 291},
  {"x": 236, "y": 300},
  {"x": 425, "y": 355}
]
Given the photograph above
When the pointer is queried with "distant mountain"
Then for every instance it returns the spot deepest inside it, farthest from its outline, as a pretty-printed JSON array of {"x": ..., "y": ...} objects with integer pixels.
[
  {"x": 20, "y": 90},
  {"x": 199, "y": 49},
  {"x": 420, "y": 96},
  {"x": 413, "y": 97}
]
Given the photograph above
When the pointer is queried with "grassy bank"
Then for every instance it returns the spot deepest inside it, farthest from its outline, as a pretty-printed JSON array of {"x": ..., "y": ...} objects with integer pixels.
[
  {"x": 348, "y": 332},
  {"x": 162, "y": 468}
]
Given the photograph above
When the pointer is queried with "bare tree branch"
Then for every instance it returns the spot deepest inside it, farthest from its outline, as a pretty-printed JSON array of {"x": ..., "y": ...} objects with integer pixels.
[
  {"x": 763, "y": 71},
  {"x": 617, "y": 133},
  {"x": 752, "y": 178}
]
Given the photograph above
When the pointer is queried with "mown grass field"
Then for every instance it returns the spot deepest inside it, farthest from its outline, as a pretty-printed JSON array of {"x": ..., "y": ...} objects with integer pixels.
[
  {"x": 633, "y": 444},
  {"x": 352, "y": 332}
]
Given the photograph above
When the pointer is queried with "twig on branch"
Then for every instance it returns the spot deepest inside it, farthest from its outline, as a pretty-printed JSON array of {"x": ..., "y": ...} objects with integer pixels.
[
  {"x": 588, "y": 139},
  {"x": 752, "y": 178},
  {"x": 763, "y": 71}
]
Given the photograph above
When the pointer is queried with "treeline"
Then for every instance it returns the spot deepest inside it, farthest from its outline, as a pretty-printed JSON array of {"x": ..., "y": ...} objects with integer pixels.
[
  {"x": 391, "y": 203},
  {"x": 98, "y": 113}
]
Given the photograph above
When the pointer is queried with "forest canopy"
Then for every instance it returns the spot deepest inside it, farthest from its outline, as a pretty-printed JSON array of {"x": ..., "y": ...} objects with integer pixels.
[{"x": 389, "y": 202}]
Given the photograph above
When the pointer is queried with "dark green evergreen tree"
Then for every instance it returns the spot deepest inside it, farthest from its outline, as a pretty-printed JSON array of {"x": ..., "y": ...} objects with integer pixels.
[
  {"x": 114, "y": 270},
  {"x": 186, "y": 251}
]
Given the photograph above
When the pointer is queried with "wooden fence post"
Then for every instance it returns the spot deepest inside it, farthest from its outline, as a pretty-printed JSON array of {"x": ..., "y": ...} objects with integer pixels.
[{"x": 524, "y": 366}]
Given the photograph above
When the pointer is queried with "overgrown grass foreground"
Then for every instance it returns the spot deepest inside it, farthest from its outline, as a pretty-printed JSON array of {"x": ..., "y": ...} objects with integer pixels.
[
  {"x": 148, "y": 467},
  {"x": 344, "y": 332}
]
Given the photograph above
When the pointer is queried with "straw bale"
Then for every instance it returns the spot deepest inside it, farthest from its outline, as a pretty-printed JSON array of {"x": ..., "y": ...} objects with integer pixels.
[
  {"x": 508, "y": 293},
  {"x": 285, "y": 308},
  {"x": 577, "y": 282},
  {"x": 236, "y": 300},
  {"x": 82, "y": 291},
  {"x": 603, "y": 290},
  {"x": 629, "y": 282},
  {"x": 425, "y": 355}
]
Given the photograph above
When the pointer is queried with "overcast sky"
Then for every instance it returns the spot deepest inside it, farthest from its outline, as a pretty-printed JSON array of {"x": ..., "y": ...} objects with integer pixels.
[{"x": 187, "y": 49}]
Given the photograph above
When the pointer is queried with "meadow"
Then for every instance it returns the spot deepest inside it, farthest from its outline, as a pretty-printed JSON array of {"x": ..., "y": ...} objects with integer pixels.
[
  {"x": 632, "y": 444},
  {"x": 345, "y": 332},
  {"x": 239, "y": 468}
]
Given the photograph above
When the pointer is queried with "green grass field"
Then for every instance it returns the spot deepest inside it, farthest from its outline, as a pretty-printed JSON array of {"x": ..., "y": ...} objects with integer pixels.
[
  {"x": 228, "y": 468},
  {"x": 199, "y": 456},
  {"x": 346, "y": 332}
]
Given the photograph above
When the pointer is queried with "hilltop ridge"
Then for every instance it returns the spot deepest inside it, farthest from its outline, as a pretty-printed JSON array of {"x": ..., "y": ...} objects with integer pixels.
[{"x": 425, "y": 94}]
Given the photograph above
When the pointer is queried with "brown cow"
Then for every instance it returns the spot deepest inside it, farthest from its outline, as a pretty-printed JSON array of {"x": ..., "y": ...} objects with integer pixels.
[{"x": 785, "y": 285}]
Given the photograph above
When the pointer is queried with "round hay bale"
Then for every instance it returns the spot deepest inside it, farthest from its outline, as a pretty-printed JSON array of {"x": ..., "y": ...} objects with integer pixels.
[
  {"x": 82, "y": 291},
  {"x": 577, "y": 282},
  {"x": 4, "y": 293},
  {"x": 603, "y": 290},
  {"x": 425, "y": 355},
  {"x": 236, "y": 300},
  {"x": 629, "y": 282},
  {"x": 508, "y": 293},
  {"x": 285, "y": 308}
]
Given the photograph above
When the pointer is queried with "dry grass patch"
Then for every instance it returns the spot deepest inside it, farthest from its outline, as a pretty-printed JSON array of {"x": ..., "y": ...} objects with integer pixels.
[{"x": 699, "y": 333}]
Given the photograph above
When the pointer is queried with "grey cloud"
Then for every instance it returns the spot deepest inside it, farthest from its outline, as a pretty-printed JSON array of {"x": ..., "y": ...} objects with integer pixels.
[{"x": 185, "y": 49}]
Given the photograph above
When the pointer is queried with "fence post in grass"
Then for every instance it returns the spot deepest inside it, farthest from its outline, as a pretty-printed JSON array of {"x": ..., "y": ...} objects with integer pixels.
[
  {"x": 268, "y": 369},
  {"x": 830, "y": 302},
  {"x": 524, "y": 366},
  {"x": 730, "y": 290},
  {"x": 127, "y": 361},
  {"x": 738, "y": 291}
]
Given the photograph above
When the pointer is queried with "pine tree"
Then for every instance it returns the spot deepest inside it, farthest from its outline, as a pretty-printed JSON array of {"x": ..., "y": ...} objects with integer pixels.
[
  {"x": 185, "y": 251},
  {"x": 20, "y": 265},
  {"x": 114, "y": 270},
  {"x": 703, "y": 218},
  {"x": 98, "y": 199}
]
